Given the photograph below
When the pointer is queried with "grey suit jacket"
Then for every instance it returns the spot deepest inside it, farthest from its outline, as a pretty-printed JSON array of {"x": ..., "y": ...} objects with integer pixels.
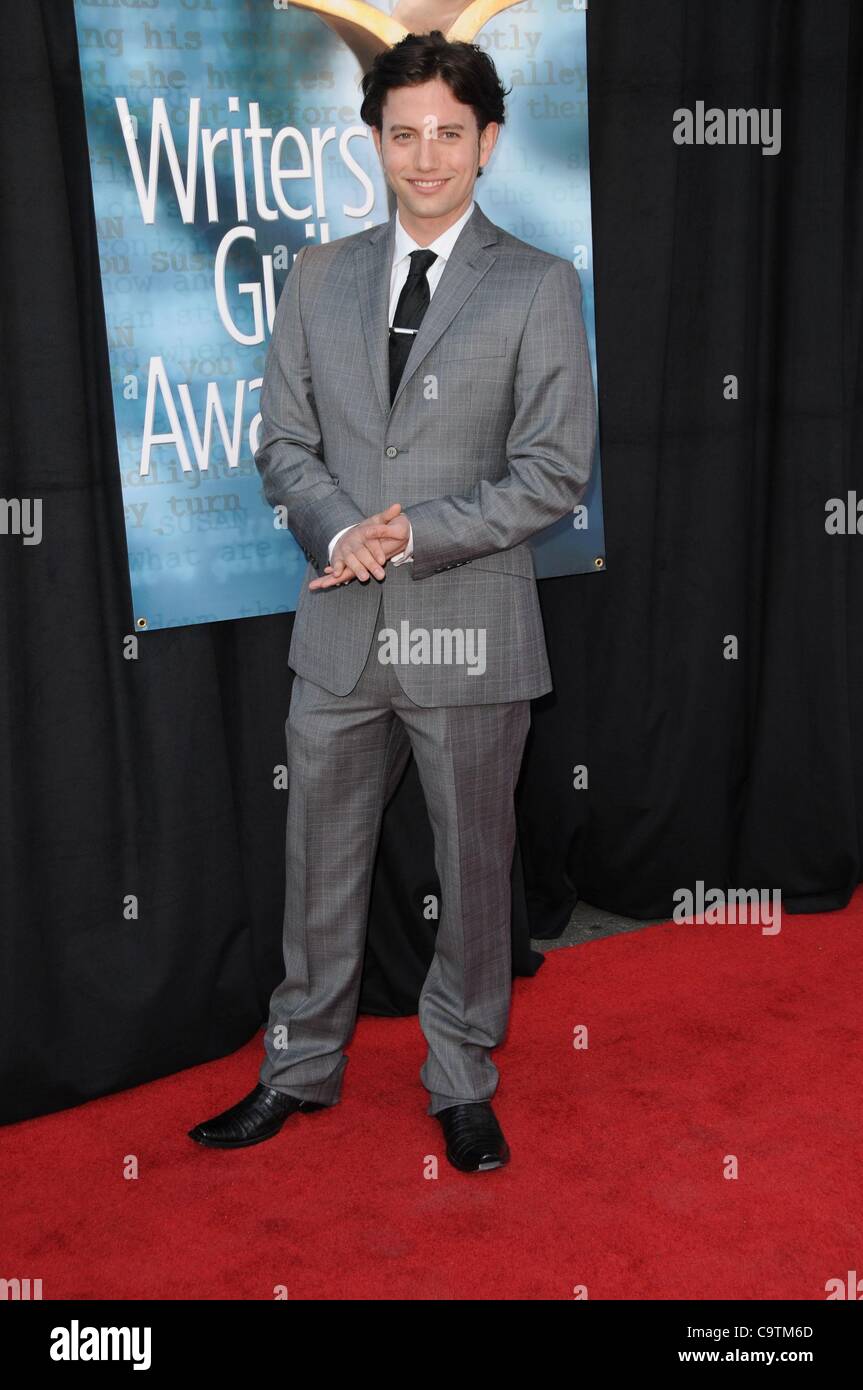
[{"x": 489, "y": 440}]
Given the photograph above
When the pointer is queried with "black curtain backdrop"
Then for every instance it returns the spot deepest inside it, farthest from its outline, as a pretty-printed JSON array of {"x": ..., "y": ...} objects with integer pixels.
[{"x": 155, "y": 777}]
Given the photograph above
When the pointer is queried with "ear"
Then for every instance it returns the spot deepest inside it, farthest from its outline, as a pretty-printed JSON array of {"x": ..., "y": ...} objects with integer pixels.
[{"x": 487, "y": 141}]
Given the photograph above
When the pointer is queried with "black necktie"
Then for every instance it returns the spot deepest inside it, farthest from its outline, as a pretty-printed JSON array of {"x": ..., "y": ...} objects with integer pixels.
[{"x": 410, "y": 310}]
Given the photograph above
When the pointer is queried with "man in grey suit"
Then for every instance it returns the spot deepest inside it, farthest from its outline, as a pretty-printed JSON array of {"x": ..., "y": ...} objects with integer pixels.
[{"x": 427, "y": 407}]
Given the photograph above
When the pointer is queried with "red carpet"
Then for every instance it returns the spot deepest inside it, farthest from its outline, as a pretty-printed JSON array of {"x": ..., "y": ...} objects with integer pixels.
[{"x": 704, "y": 1041}]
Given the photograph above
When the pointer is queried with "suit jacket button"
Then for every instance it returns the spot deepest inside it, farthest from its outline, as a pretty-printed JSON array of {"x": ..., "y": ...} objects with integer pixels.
[{"x": 391, "y": 451}]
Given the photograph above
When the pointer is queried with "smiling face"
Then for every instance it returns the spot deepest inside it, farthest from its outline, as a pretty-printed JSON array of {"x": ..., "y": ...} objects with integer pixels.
[{"x": 430, "y": 150}]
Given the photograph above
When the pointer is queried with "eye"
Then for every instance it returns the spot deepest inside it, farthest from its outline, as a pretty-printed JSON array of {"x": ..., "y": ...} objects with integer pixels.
[{"x": 406, "y": 135}]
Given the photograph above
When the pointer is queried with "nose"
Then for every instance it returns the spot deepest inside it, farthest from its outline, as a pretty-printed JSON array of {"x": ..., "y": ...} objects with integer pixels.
[{"x": 427, "y": 160}]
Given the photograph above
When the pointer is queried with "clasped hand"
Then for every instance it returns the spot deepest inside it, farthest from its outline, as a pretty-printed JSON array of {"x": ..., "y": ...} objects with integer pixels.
[{"x": 364, "y": 550}]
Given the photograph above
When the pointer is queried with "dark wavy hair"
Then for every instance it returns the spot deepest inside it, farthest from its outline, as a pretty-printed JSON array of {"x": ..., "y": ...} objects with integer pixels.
[{"x": 417, "y": 58}]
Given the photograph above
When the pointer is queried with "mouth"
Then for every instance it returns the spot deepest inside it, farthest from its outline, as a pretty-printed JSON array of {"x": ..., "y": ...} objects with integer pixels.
[{"x": 427, "y": 185}]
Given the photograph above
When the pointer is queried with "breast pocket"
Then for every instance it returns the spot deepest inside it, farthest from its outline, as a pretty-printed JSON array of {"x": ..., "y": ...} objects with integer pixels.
[{"x": 468, "y": 346}]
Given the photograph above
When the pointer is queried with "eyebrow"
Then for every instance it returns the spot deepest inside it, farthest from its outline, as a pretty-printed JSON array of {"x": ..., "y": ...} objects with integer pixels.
[{"x": 443, "y": 125}]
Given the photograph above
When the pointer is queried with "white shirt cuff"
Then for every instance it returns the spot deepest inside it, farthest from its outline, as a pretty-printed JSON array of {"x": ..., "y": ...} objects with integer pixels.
[
  {"x": 334, "y": 539},
  {"x": 400, "y": 559},
  {"x": 406, "y": 554}
]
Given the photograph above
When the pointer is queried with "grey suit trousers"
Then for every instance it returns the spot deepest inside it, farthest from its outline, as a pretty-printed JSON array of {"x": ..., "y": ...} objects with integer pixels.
[{"x": 346, "y": 756}]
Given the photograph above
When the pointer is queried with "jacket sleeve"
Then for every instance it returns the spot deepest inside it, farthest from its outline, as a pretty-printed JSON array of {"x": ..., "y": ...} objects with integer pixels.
[
  {"x": 289, "y": 454},
  {"x": 549, "y": 446}
]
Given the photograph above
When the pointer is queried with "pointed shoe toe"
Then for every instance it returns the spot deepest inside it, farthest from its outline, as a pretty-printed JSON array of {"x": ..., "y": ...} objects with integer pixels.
[
  {"x": 474, "y": 1139},
  {"x": 258, "y": 1116}
]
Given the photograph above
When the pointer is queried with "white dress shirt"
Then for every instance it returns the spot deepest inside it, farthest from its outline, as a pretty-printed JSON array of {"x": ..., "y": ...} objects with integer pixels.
[{"x": 404, "y": 244}]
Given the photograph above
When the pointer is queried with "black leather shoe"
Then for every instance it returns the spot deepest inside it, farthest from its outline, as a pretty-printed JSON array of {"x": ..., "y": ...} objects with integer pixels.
[
  {"x": 259, "y": 1116},
  {"x": 474, "y": 1139}
]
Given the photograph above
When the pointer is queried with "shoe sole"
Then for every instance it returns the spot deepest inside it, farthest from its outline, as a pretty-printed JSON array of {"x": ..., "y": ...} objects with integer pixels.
[
  {"x": 234, "y": 1143},
  {"x": 481, "y": 1167}
]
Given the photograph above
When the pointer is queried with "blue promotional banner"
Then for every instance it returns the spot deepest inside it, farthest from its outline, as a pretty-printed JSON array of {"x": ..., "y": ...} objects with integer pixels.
[{"x": 224, "y": 135}]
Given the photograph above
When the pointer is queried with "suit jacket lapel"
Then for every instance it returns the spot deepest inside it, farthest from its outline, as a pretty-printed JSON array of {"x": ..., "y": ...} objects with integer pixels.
[{"x": 465, "y": 267}]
